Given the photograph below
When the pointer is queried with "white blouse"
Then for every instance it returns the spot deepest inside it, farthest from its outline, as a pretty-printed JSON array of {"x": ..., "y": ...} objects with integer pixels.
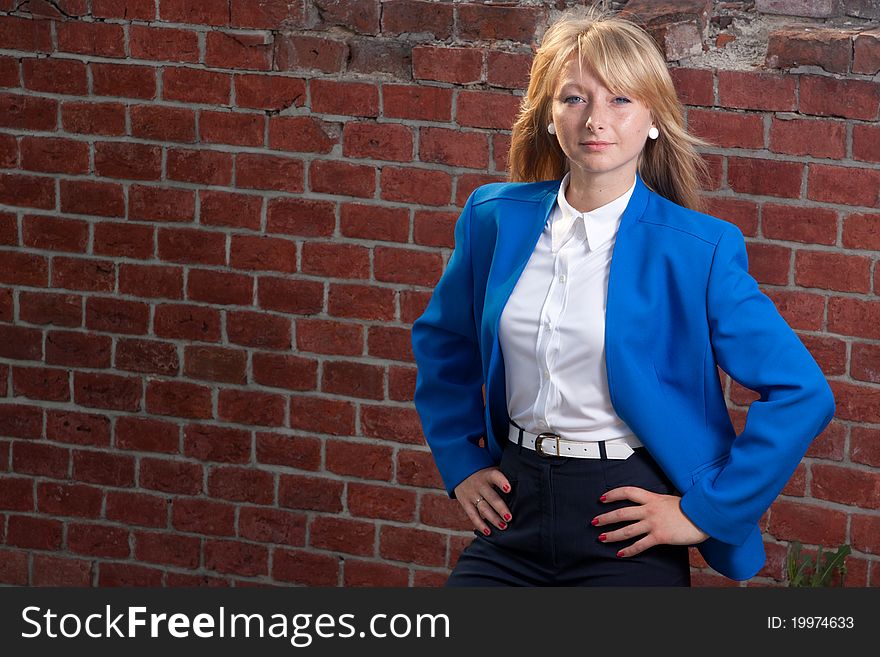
[{"x": 552, "y": 329}]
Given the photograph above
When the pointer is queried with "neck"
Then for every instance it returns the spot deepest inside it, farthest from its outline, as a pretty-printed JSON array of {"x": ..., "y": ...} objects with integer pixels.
[{"x": 587, "y": 191}]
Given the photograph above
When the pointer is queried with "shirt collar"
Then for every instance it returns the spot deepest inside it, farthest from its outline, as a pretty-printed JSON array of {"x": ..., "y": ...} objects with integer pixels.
[{"x": 598, "y": 226}]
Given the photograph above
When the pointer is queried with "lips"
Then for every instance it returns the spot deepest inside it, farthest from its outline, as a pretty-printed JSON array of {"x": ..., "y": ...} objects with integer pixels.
[{"x": 595, "y": 143}]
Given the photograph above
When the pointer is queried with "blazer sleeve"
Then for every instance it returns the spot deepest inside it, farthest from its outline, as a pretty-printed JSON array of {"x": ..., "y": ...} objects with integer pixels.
[
  {"x": 758, "y": 349},
  {"x": 448, "y": 392}
]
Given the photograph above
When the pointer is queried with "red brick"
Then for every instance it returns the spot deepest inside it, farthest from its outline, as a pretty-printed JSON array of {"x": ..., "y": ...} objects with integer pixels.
[
  {"x": 113, "y": 315},
  {"x": 290, "y": 296},
  {"x": 329, "y": 337},
  {"x": 508, "y": 69},
  {"x": 294, "y": 451},
  {"x": 487, "y": 109},
  {"x": 208, "y": 167},
  {"x": 60, "y": 499},
  {"x": 78, "y": 428},
  {"x": 828, "y": 48},
  {"x": 170, "y": 476},
  {"x": 846, "y": 485},
  {"x": 251, "y": 407},
  {"x": 866, "y": 52},
  {"x": 269, "y": 92},
  {"x": 693, "y": 86},
  {"x": 344, "y": 98},
  {"x": 727, "y": 129},
  {"x": 92, "y": 119},
  {"x": 765, "y": 177},
  {"x": 303, "y": 51},
  {"x": 453, "y": 147},
  {"x": 342, "y": 178},
  {"x": 833, "y": 271},
  {"x": 755, "y": 90},
  {"x": 817, "y": 138},
  {"x": 236, "y": 557},
  {"x": 168, "y": 44},
  {"x": 40, "y": 459},
  {"x": 136, "y": 508},
  {"x": 450, "y": 64},
  {"x": 417, "y": 468},
  {"x": 390, "y": 342},
  {"x": 374, "y": 574},
  {"x": 187, "y": 322},
  {"x": 361, "y": 302},
  {"x": 77, "y": 349},
  {"x": 167, "y": 548},
  {"x": 41, "y": 383},
  {"x": 850, "y": 316},
  {"x": 866, "y": 533},
  {"x": 51, "y": 570},
  {"x": 21, "y": 421},
  {"x": 178, "y": 398},
  {"x": 272, "y": 526},
  {"x": 19, "y": 342},
  {"x": 58, "y": 309},
  {"x": 34, "y": 533},
  {"x": 417, "y": 102},
  {"x": 306, "y": 568},
  {"x": 228, "y": 209},
  {"x": 421, "y": 186},
  {"x": 859, "y": 403},
  {"x": 383, "y": 502},
  {"x": 92, "y": 38},
  {"x": 865, "y": 446},
  {"x": 215, "y": 364},
  {"x": 116, "y": 239},
  {"x": 203, "y": 516},
  {"x": 130, "y": 575},
  {"x": 412, "y": 545},
  {"x": 92, "y": 197},
  {"x": 850, "y": 99},
  {"x": 391, "y": 423},
  {"x": 366, "y": 461},
  {"x": 103, "y": 468},
  {"x": 866, "y": 143},
  {"x": 768, "y": 263},
  {"x": 309, "y": 134},
  {"x": 147, "y": 356},
  {"x": 190, "y": 85},
  {"x": 402, "y": 16},
  {"x": 319, "y": 494},
  {"x": 97, "y": 540},
  {"x": 322, "y": 415},
  {"x": 508, "y": 23},
  {"x": 799, "y": 224},
  {"x": 146, "y": 434},
  {"x": 845, "y": 185},
  {"x": 16, "y": 493},
  {"x": 807, "y": 523},
  {"x": 241, "y": 484},
  {"x": 191, "y": 246},
  {"x": 343, "y": 535},
  {"x": 307, "y": 217}
]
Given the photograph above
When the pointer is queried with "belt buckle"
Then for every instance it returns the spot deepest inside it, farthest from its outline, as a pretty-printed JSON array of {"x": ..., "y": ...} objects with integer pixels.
[{"x": 540, "y": 439}]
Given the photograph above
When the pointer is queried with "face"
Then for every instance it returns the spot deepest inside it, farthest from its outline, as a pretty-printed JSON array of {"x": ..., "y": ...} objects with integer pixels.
[{"x": 584, "y": 110}]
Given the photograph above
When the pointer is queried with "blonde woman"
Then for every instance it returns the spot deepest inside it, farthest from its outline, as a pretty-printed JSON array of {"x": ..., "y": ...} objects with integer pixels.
[{"x": 594, "y": 299}]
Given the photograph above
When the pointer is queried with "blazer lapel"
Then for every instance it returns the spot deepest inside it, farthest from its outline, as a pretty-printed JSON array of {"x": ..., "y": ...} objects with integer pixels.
[{"x": 516, "y": 239}]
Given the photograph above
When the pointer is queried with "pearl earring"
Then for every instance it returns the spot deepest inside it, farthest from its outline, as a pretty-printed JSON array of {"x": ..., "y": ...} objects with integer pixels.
[
  {"x": 551, "y": 129},
  {"x": 653, "y": 133}
]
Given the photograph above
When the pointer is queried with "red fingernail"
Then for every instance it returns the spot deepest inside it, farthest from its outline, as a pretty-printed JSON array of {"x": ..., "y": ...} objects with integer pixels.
[
  {"x": 595, "y": 521},
  {"x": 486, "y": 532},
  {"x": 506, "y": 488},
  {"x": 602, "y": 538},
  {"x": 502, "y": 525},
  {"x": 507, "y": 516},
  {"x": 620, "y": 554},
  {"x": 602, "y": 499}
]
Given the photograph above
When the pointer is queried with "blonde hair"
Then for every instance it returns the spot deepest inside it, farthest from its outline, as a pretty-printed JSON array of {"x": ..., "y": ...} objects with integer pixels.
[{"x": 626, "y": 60}]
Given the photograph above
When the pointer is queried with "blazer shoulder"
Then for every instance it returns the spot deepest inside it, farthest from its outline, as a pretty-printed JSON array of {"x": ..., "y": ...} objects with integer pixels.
[
  {"x": 698, "y": 225},
  {"x": 529, "y": 192}
]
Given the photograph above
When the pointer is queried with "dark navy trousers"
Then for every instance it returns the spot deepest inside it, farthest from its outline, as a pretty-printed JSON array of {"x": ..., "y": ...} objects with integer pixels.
[{"x": 550, "y": 541}]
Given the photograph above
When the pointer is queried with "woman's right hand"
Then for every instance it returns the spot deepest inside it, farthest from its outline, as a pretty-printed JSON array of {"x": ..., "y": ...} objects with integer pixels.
[{"x": 492, "y": 508}]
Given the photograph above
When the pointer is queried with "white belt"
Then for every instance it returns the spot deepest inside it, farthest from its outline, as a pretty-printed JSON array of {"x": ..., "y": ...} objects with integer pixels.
[{"x": 550, "y": 444}]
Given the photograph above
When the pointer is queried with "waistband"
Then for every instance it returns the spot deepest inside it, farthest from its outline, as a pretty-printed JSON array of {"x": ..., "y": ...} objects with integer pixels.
[{"x": 548, "y": 443}]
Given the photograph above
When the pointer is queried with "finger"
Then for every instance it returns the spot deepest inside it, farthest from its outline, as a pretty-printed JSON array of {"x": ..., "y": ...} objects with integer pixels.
[
  {"x": 475, "y": 517},
  {"x": 637, "y": 547},
  {"x": 633, "y": 493},
  {"x": 500, "y": 479},
  {"x": 632, "y": 512},
  {"x": 493, "y": 507},
  {"x": 629, "y": 531}
]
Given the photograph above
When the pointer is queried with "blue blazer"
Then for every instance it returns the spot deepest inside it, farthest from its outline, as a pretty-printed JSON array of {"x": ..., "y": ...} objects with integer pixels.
[{"x": 680, "y": 303}]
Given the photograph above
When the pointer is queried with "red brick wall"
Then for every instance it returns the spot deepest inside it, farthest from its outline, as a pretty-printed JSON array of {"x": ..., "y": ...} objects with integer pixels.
[{"x": 218, "y": 221}]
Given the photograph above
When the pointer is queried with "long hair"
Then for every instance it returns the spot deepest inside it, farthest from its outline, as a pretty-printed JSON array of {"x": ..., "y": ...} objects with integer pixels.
[{"x": 626, "y": 60}]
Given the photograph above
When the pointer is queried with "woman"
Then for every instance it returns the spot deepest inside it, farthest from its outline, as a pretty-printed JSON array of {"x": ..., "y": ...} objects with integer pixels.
[{"x": 594, "y": 300}]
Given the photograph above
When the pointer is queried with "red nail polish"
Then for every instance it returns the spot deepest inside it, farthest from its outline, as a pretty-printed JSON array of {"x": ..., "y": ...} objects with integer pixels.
[
  {"x": 507, "y": 516},
  {"x": 503, "y": 525},
  {"x": 620, "y": 554},
  {"x": 602, "y": 538},
  {"x": 506, "y": 488},
  {"x": 595, "y": 522},
  {"x": 602, "y": 499},
  {"x": 486, "y": 532}
]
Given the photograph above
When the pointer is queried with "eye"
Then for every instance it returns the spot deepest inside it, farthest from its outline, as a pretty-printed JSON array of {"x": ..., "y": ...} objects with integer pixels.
[
  {"x": 626, "y": 100},
  {"x": 569, "y": 98}
]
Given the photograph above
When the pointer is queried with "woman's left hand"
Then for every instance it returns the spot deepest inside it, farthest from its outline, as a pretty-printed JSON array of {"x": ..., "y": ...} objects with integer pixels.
[{"x": 658, "y": 516}]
